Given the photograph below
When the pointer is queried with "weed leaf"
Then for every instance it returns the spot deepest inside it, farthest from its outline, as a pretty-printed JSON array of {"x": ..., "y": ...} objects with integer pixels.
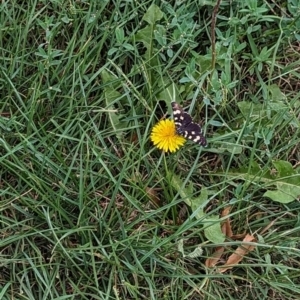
[
  {"x": 153, "y": 14},
  {"x": 287, "y": 183},
  {"x": 212, "y": 230},
  {"x": 286, "y": 180},
  {"x": 111, "y": 95}
]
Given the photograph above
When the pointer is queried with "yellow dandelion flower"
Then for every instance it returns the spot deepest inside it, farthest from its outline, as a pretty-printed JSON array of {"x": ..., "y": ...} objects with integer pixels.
[{"x": 164, "y": 136}]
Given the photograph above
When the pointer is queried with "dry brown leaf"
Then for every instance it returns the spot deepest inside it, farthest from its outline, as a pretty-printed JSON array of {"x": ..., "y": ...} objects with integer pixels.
[
  {"x": 238, "y": 255},
  {"x": 239, "y": 236},
  {"x": 225, "y": 211},
  {"x": 212, "y": 261},
  {"x": 153, "y": 195},
  {"x": 268, "y": 226},
  {"x": 226, "y": 227}
]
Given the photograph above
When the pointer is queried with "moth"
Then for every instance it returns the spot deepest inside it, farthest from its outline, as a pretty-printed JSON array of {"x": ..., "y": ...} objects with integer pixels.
[{"x": 186, "y": 127}]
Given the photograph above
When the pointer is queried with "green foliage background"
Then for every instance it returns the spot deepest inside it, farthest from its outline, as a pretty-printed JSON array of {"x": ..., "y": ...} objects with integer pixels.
[{"x": 89, "y": 208}]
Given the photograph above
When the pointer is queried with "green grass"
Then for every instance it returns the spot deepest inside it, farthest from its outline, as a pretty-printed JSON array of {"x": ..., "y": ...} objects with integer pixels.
[{"x": 89, "y": 208}]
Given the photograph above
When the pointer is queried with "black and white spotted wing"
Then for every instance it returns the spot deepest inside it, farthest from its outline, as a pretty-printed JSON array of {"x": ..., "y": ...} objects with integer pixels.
[{"x": 186, "y": 127}]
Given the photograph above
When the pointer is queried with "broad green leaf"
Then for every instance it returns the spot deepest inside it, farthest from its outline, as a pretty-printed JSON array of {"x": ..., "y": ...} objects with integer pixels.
[
  {"x": 214, "y": 232},
  {"x": 152, "y": 61},
  {"x": 240, "y": 47},
  {"x": 232, "y": 148},
  {"x": 111, "y": 51},
  {"x": 215, "y": 82},
  {"x": 282, "y": 187},
  {"x": 285, "y": 169},
  {"x": 197, "y": 252},
  {"x": 203, "y": 62},
  {"x": 276, "y": 93},
  {"x": 215, "y": 123},
  {"x": 153, "y": 14},
  {"x": 168, "y": 94},
  {"x": 111, "y": 95},
  {"x": 198, "y": 202},
  {"x": 145, "y": 36},
  {"x": 128, "y": 47},
  {"x": 120, "y": 35},
  {"x": 205, "y": 2},
  {"x": 183, "y": 192},
  {"x": 249, "y": 109},
  {"x": 252, "y": 169},
  {"x": 288, "y": 188},
  {"x": 284, "y": 193}
]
